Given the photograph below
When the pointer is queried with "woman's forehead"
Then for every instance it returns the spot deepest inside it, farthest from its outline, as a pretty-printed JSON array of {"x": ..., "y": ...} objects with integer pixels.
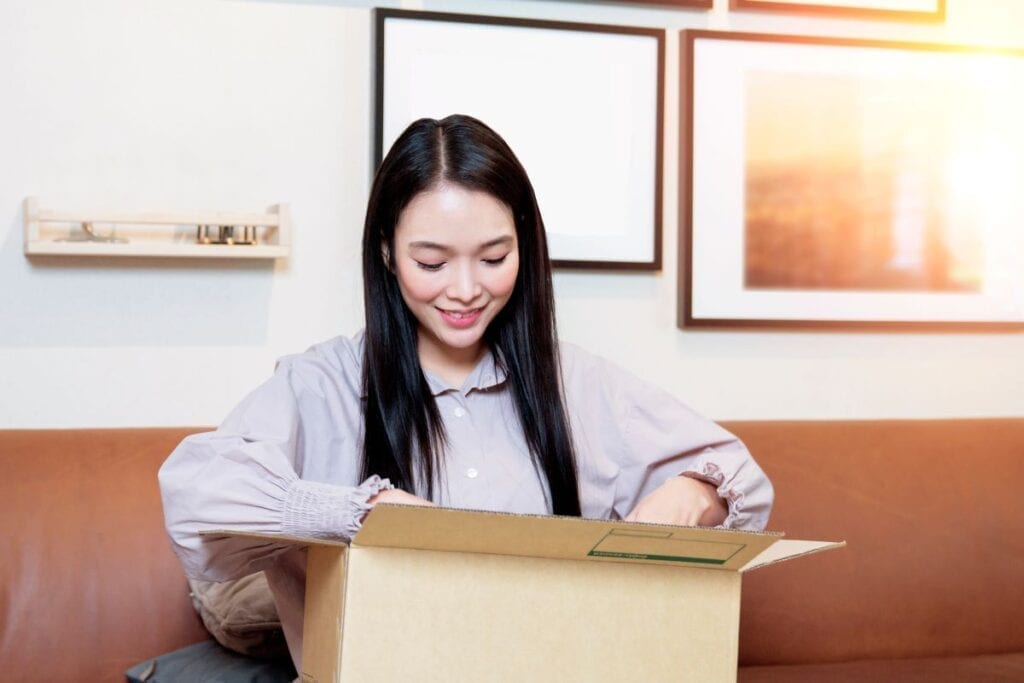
[{"x": 451, "y": 214}]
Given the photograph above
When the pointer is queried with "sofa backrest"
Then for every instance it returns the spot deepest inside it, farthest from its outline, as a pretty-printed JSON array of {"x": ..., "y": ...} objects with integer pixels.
[
  {"x": 89, "y": 585},
  {"x": 933, "y": 514}
]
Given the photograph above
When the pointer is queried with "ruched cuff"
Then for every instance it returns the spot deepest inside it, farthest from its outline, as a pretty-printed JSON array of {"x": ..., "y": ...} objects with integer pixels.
[
  {"x": 740, "y": 482},
  {"x": 712, "y": 474},
  {"x": 327, "y": 511}
]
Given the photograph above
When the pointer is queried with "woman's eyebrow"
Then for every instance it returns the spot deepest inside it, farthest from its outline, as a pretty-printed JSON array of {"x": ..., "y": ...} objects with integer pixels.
[
  {"x": 436, "y": 246},
  {"x": 504, "y": 239},
  {"x": 424, "y": 244}
]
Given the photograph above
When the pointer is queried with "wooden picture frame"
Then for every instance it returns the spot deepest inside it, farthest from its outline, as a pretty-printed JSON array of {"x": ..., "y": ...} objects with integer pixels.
[
  {"x": 680, "y": 4},
  {"x": 851, "y": 184},
  {"x": 898, "y": 10},
  {"x": 582, "y": 105}
]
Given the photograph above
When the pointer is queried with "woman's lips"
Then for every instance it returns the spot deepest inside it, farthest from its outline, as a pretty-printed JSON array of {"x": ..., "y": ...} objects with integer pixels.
[{"x": 461, "y": 319}]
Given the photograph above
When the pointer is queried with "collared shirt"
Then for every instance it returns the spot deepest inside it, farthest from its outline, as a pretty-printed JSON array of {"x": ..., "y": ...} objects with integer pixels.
[{"x": 288, "y": 460}]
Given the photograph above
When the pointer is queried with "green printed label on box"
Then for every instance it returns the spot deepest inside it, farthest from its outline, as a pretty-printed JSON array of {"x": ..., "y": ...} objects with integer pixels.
[{"x": 663, "y": 546}]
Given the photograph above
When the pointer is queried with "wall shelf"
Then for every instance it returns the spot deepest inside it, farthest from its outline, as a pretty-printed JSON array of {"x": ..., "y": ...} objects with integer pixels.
[{"x": 230, "y": 235}]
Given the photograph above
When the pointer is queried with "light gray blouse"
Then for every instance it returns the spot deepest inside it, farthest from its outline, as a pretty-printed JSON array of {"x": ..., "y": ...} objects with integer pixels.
[{"x": 288, "y": 458}]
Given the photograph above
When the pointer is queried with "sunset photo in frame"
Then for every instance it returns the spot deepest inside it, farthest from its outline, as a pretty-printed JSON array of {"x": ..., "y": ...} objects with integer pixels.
[
  {"x": 899, "y": 10},
  {"x": 580, "y": 104},
  {"x": 839, "y": 183}
]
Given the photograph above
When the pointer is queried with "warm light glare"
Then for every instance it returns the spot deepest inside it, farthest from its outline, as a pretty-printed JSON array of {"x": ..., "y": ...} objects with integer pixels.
[{"x": 883, "y": 182}]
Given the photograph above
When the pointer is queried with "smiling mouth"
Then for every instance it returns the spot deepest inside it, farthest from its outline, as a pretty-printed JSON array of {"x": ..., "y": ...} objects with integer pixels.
[
  {"x": 459, "y": 315},
  {"x": 461, "y": 320}
]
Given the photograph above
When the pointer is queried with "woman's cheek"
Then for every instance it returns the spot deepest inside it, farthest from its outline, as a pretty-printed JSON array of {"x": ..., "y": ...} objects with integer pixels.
[
  {"x": 507, "y": 279},
  {"x": 424, "y": 289},
  {"x": 419, "y": 285}
]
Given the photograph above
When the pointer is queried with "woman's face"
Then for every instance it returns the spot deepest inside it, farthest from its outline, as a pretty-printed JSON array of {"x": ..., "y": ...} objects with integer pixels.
[{"x": 456, "y": 259}]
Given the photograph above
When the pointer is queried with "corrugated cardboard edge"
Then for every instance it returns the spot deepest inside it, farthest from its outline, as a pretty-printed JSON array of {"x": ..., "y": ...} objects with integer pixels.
[
  {"x": 559, "y": 537},
  {"x": 409, "y": 518},
  {"x": 789, "y": 549},
  {"x": 271, "y": 536},
  {"x": 582, "y": 520},
  {"x": 327, "y": 573}
]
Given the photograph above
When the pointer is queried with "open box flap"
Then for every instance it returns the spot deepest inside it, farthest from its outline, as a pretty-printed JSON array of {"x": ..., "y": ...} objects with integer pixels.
[
  {"x": 789, "y": 549},
  {"x": 272, "y": 537},
  {"x": 568, "y": 538},
  {"x": 571, "y": 538}
]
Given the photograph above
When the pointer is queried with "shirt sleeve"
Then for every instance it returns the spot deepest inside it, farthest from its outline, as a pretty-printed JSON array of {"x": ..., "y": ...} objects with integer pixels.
[
  {"x": 661, "y": 438},
  {"x": 243, "y": 477}
]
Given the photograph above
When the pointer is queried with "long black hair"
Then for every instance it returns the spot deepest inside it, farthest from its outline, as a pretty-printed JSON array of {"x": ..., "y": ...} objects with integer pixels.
[{"x": 404, "y": 436}]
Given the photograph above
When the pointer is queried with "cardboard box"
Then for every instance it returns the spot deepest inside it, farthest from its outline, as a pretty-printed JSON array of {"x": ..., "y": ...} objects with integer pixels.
[{"x": 436, "y": 594}]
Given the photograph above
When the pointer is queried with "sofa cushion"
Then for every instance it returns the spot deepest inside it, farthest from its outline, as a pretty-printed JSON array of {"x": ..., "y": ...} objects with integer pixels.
[
  {"x": 1007, "y": 668},
  {"x": 88, "y": 581},
  {"x": 208, "y": 661},
  {"x": 934, "y": 520}
]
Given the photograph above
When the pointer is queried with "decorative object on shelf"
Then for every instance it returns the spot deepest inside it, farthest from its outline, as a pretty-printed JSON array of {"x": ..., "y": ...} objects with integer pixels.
[
  {"x": 854, "y": 184},
  {"x": 167, "y": 234},
  {"x": 595, "y": 159},
  {"x": 88, "y": 234},
  {"x": 900, "y": 10},
  {"x": 226, "y": 234}
]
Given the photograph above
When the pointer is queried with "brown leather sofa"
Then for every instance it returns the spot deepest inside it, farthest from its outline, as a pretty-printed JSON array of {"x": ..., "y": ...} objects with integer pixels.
[
  {"x": 931, "y": 584},
  {"x": 930, "y": 588}
]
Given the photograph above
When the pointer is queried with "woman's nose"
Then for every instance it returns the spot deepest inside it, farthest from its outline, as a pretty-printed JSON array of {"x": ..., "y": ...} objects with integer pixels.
[{"x": 464, "y": 285}]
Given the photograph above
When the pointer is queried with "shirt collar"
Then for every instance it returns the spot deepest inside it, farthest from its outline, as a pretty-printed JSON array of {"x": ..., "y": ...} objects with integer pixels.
[{"x": 487, "y": 374}]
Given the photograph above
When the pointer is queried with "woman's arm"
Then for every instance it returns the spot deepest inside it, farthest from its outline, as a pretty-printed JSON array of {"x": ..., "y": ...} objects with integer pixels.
[
  {"x": 245, "y": 476},
  {"x": 681, "y": 468},
  {"x": 683, "y": 501},
  {"x": 668, "y": 464}
]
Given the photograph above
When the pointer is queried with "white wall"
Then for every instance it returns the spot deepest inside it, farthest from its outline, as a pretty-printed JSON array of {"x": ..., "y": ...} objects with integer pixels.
[{"x": 238, "y": 104}]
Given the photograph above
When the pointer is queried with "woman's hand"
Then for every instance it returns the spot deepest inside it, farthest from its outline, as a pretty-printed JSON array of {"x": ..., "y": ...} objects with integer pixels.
[
  {"x": 397, "y": 497},
  {"x": 682, "y": 501}
]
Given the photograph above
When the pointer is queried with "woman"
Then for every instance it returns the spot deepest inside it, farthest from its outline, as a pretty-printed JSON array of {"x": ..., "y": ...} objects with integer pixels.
[{"x": 457, "y": 393}]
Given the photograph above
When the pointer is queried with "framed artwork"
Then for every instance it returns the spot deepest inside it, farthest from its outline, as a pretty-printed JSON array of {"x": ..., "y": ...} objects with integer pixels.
[
  {"x": 581, "y": 105},
  {"x": 686, "y": 4},
  {"x": 837, "y": 183},
  {"x": 904, "y": 10}
]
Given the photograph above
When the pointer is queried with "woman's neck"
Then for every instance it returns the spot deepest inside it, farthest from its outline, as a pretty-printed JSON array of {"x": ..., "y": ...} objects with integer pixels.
[{"x": 451, "y": 365}]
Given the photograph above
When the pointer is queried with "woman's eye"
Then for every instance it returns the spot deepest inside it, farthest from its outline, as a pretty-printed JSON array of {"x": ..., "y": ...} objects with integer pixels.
[
  {"x": 495, "y": 261},
  {"x": 430, "y": 266}
]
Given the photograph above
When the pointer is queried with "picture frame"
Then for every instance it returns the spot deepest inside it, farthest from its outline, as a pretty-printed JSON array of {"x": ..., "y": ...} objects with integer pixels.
[
  {"x": 897, "y": 10},
  {"x": 582, "y": 105},
  {"x": 832, "y": 183},
  {"x": 680, "y": 4}
]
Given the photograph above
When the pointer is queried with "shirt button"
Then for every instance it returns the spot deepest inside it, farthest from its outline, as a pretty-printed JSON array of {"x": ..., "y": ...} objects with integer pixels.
[
  {"x": 472, "y": 473},
  {"x": 459, "y": 412}
]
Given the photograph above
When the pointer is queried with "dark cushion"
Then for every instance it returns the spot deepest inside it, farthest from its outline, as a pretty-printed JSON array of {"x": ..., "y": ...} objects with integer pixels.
[
  {"x": 1004, "y": 668},
  {"x": 210, "y": 663}
]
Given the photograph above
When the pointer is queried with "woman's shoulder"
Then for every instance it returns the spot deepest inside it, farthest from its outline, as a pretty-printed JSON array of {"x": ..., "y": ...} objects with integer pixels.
[
  {"x": 587, "y": 373},
  {"x": 575, "y": 357},
  {"x": 582, "y": 368},
  {"x": 338, "y": 360}
]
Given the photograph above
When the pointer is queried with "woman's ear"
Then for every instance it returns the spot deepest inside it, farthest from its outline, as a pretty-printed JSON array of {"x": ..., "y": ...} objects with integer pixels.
[{"x": 385, "y": 254}]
